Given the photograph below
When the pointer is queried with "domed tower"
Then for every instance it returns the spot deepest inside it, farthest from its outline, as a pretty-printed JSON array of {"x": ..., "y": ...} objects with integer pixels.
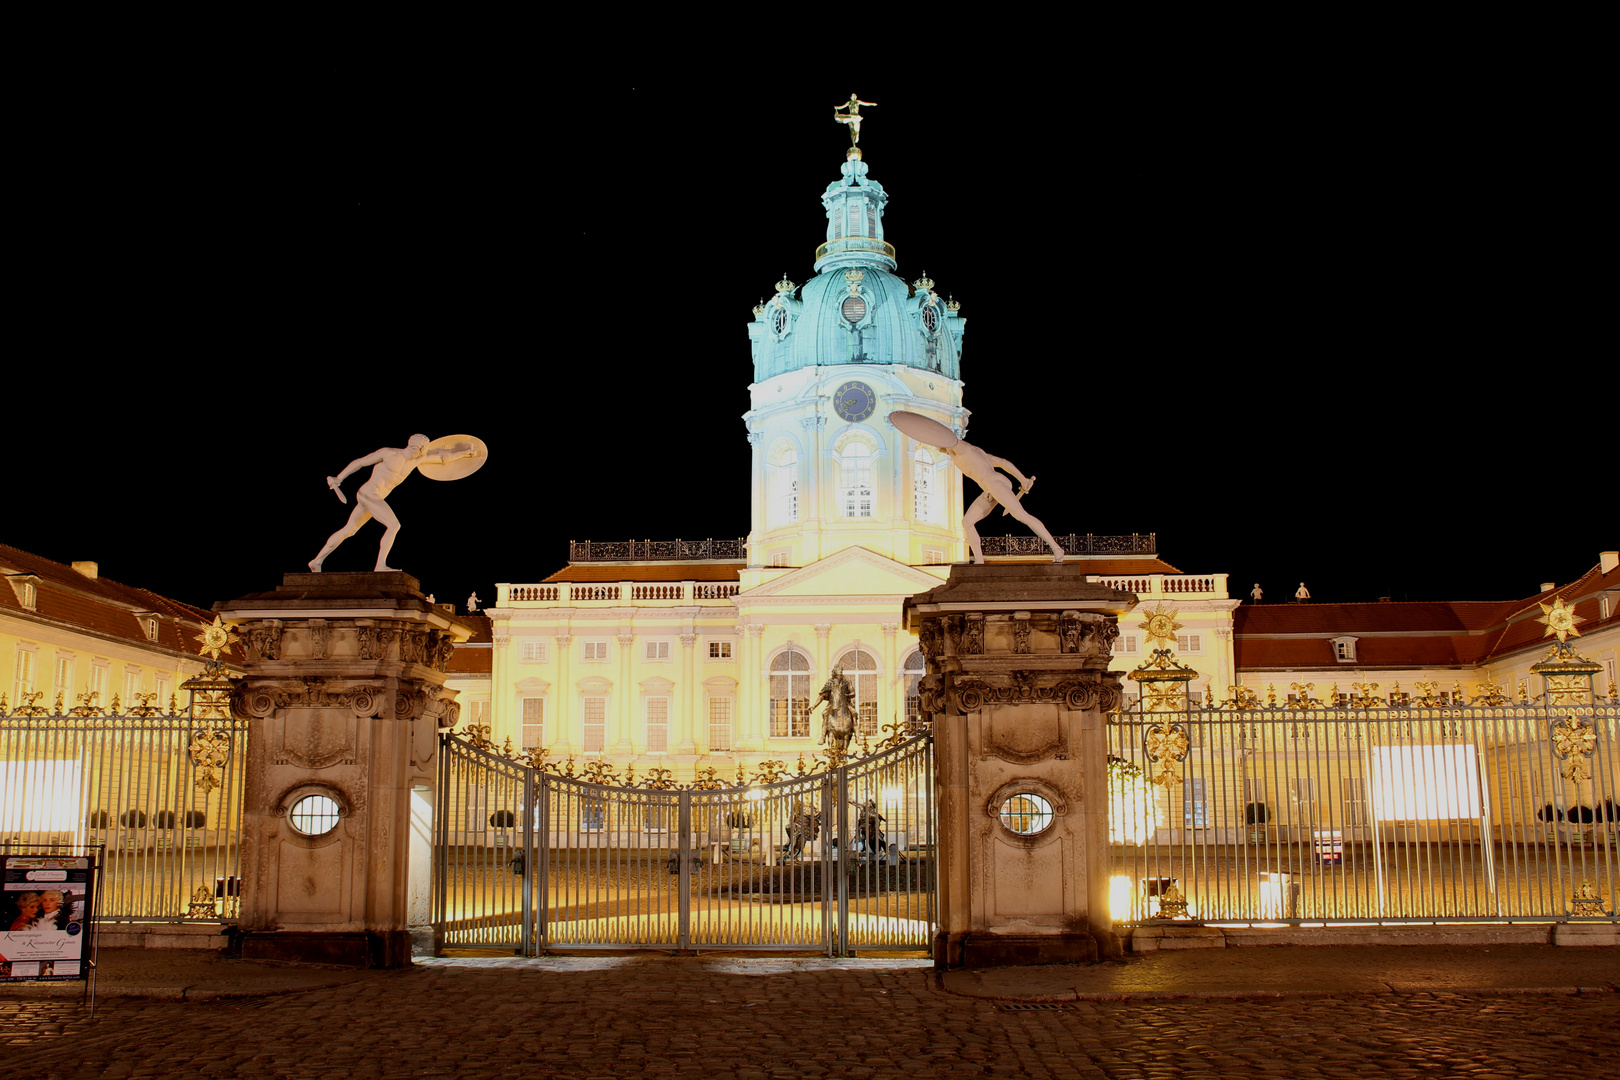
[{"x": 831, "y": 360}]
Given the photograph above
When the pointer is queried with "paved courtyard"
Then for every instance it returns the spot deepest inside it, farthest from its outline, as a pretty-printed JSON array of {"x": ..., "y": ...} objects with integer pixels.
[{"x": 657, "y": 1016}]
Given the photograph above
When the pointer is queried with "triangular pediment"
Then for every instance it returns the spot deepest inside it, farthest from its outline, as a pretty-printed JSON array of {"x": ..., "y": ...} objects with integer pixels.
[{"x": 852, "y": 572}]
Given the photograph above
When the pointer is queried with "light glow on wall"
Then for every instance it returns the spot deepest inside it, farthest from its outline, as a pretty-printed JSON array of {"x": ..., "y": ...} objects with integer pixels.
[
  {"x": 39, "y": 796},
  {"x": 1426, "y": 783},
  {"x": 1119, "y": 898}
]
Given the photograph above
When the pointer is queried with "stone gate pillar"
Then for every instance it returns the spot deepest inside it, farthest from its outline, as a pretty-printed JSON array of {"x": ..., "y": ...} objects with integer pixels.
[
  {"x": 344, "y": 693},
  {"x": 1018, "y": 689}
]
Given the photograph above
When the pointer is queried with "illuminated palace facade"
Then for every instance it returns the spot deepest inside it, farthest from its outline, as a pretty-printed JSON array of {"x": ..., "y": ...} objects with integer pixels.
[{"x": 684, "y": 656}]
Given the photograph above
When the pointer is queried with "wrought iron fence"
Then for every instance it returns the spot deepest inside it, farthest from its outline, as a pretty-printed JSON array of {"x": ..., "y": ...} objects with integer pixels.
[
  {"x": 529, "y": 856},
  {"x": 1353, "y": 809},
  {"x": 1073, "y": 544},
  {"x": 641, "y": 550},
  {"x": 161, "y": 790}
]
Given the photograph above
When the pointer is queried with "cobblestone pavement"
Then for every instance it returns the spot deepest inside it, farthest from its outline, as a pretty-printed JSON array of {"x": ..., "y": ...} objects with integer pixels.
[{"x": 663, "y": 1017}]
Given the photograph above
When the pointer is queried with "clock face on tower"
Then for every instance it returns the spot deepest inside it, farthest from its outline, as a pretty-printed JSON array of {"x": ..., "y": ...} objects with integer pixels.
[{"x": 854, "y": 401}]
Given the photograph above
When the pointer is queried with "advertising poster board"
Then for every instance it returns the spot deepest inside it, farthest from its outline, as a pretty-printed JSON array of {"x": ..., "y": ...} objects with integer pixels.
[{"x": 45, "y": 907}]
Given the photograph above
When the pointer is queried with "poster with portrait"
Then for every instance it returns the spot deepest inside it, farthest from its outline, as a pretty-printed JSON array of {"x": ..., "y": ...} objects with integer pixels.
[{"x": 44, "y": 917}]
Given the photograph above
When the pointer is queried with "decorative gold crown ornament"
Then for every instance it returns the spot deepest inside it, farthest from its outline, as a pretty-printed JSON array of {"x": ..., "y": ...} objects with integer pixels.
[
  {"x": 924, "y": 283},
  {"x": 953, "y": 304},
  {"x": 785, "y": 286}
]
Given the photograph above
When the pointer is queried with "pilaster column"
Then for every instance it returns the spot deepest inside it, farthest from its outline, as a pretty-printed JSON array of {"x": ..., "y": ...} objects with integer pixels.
[
  {"x": 501, "y": 721},
  {"x": 685, "y": 742},
  {"x": 823, "y": 661},
  {"x": 1225, "y": 669},
  {"x": 562, "y": 702},
  {"x": 750, "y": 693},
  {"x": 757, "y": 512},
  {"x": 626, "y": 699},
  {"x": 890, "y": 696},
  {"x": 817, "y": 497}
]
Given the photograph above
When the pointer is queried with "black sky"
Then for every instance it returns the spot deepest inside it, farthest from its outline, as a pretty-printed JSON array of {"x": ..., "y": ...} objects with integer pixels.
[{"x": 1306, "y": 328}]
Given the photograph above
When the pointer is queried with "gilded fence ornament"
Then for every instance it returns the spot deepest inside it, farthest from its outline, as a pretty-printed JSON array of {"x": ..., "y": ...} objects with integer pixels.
[
  {"x": 770, "y": 772},
  {"x": 1172, "y": 904},
  {"x": 1560, "y": 619},
  {"x": 742, "y": 775},
  {"x": 1428, "y": 694},
  {"x": 144, "y": 706},
  {"x": 1302, "y": 696},
  {"x": 630, "y": 775},
  {"x": 1271, "y": 696},
  {"x": 1365, "y": 695},
  {"x": 535, "y": 757},
  {"x": 28, "y": 704},
  {"x": 1574, "y": 741},
  {"x": 1166, "y": 745},
  {"x": 1587, "y": 902},
  {"x": 478, "y": 735},
  {"x": 86, "y": 707},
  {"x": 598, "y": 771},
  {"x": 209, "y": 750},
  {"x": 202, "y": 904},
  {"x": 659, "y": 779},
  {"x": 1489, "y": 694},
  {"x": 1524, "y": 692},
  {"x": 708, "y": 780},
  {"x": 1242, "y": 697}
]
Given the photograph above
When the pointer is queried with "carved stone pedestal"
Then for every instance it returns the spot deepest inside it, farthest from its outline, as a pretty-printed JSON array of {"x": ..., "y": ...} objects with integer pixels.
[
  {"x": 1018, "y": 688},
  {"x": 344, "y": 692}
]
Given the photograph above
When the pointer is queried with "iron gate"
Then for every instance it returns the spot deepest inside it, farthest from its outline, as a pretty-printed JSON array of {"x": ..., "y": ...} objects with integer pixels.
[{"x": 529, "y": 859}]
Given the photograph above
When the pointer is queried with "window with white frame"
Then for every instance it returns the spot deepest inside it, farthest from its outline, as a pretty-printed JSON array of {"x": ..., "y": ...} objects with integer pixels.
[
  {"x": 933, "y": 556},
  {"x": 536, "y": 650},
  {"x": 655, "y": 650},
  {"x": 1355, "y": 801},
  {"x": 28, "y": 595},
  {"x": 594, "y": 651},
  {"x": 720, "y": 723},
  {"x": 790, "y": 694},
  {"x": 860, "y": 668},
  {"x": 1190, "y": 643},
  {"x": 719, "y": 650},
  {"x": 150, "y": 624},
  {"x": 1344, "y": 649},
  {"x": 160, "y": 685},
  {"x": 132, "y": 685},
  {"x": 479, "y": 711},
  {"x": 26, "y": 674},
  {"x": 914, "y": 669},
  {"x": 1302, "y": 793},
  {"x": 534, "y": 722},
  {"x": 1125, "y": 643},
  {"x": 595, "y": 714},
  {"x": 64, "y": 678},
  {"x": 98, "y": 682},
  {"x": 779, "y": 558},
  {"x": 658, "y": 725},
  {"x": 855, "y": 480}
]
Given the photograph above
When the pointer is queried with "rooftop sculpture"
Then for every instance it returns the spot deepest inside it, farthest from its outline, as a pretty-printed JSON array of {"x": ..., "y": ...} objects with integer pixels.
[{"x": 390, "y": 466}]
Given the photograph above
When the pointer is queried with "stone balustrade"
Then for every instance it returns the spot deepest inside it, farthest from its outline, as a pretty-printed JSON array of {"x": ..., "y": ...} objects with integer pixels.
[
  {"x": 613, "y": 592},
  {"x": 1146, "y": 586}
]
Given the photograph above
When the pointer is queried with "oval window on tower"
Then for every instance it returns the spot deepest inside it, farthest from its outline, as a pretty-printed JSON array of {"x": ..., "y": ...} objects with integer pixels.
[
  {"x": 930, "y": 318},
  {"x": 854, "y": 310},
  {"x": 779, "y": 321}
]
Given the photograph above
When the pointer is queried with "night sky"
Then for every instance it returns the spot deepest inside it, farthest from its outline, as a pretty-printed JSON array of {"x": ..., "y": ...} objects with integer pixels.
[{"x": 1301, "y": 327}]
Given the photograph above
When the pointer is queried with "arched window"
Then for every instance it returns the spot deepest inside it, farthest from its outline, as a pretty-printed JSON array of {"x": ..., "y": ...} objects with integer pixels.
[
  {"x": 914, "y": 670},
  {"x": 790, "y": 695},
  {"x": 855, "y": 480},
  {"x": 860, "y": 668},
  {"x": 922, "y": 485},
  {"x": 784, "y": 488}
]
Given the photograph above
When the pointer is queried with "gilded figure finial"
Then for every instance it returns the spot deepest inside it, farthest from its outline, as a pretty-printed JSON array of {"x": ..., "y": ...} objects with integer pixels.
[{"x": 850, "y": 113}]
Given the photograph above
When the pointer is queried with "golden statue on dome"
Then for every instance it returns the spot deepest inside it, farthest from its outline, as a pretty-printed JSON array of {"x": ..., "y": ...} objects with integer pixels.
[{"x": 850, "y": 113}]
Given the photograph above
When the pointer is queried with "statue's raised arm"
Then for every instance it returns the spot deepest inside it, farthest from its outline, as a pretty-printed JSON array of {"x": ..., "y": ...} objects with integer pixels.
[
  {"x": 449, "y": 458},
  {"x": 981, "y": 468}
]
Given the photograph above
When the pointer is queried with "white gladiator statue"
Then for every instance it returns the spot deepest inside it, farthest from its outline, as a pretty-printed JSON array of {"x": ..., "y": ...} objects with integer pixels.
[
  {"x": 981, "y": 468},
  {"x": 390, "y": 466}
]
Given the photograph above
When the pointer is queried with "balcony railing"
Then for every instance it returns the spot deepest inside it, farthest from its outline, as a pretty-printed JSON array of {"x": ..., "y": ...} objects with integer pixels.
[
  {"x": 1201, "y": 586},
  {"x": 1074, "y": 544},
  {"x": 575, "y": 592},
  {"x": 643, "y": 550},
  {"x": 854, "y": 243}
]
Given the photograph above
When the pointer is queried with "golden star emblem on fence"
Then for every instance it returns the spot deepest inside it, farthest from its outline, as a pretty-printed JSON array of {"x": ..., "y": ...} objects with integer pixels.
[{"x": 1560, "y": 619}]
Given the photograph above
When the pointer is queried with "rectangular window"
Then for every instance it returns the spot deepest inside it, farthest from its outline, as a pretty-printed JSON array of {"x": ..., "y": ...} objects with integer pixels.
[
  {"x": 480, "y": 713},
  {"x": 913, "y": 711},
  {"x": 534, "y": 722},
  {"x": 25, "y": 675},
  {"x": 655, "y": 650},
  {"x": 1254, "y": 790},
  {"x": 1302, "y": 793},
  {"x": 1189, "y": 643},
  {"x": 1355, "y": 801},
  {"x": 64, "y": 678},
  {"x": 790, "y": 717},
  {"x": 866, "y": 712},
  {"x": 30, "y": 595},
  {"x": 592, "y": 814},
  {"x": 779, "y": 558},
  {"x": 477, "y": 797},
  {"x": 596, "y": 650},
  {"x": 595, "y": 724},
  {"x": 1193, "y": 808},
  {"x": 1125, "y": 643},
  {"x": 719, "y": 650},
  {"x": 657, "y": 725},
  {"x": 98, "y": 683},
  {"x": 933, "y": 556},
  {"x": 160, "y": 684},
  {"x": 1341, "y": 651},
  {"x": 151, "y": 628},
  {"x": 132, "y": 686},
  {"x": 720, "y": 723},
  {"x": 535, "y": 650}
]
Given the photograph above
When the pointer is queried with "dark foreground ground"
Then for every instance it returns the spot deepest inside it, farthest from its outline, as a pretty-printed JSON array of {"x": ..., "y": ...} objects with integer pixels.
[{"x": 1510, "y": 1011}]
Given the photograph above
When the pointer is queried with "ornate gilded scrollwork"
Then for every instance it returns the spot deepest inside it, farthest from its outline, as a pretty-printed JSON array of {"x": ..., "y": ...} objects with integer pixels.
[
  {"x": 1166, "y": 746},
  {"x": 1587, "y": 903},
  {"x": 1573, "y": 742},
  {"x": 598, "y": 771},
  {"x": 1490, "y": 694},
  {"x": 659, "y": 779},
  {"x": 769, "y": 772}
]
